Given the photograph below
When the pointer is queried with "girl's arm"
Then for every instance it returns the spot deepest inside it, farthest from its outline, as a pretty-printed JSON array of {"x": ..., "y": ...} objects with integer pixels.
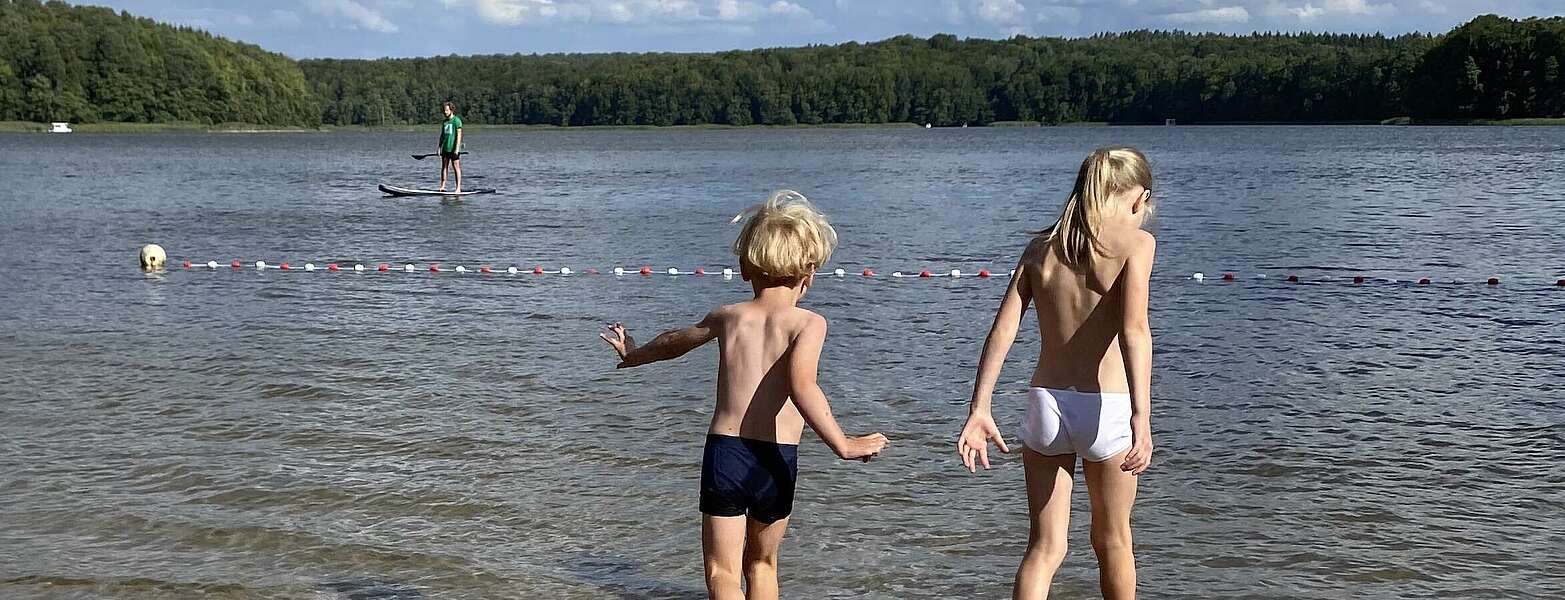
[
  {"x": 670, "y": 344},
  {"x": 803, "y": 361},
  {"x": 1135, "y": 346},
  {"x": 973, "y": 446}
]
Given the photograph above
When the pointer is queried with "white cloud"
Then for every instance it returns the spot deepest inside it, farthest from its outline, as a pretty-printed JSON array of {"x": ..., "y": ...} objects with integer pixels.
[
  {"x": 647, "y": 13},
  {"x": 751, "y": 12},
  {"x": 1214, "y": 16},
  {"x": 1332, "y": 8},
  {"x": 1000, "y": 12},
  {"x": 1432, "y": 7},
  {"x": 510, "y": 12},
  {"x": 358, "y": 15}
]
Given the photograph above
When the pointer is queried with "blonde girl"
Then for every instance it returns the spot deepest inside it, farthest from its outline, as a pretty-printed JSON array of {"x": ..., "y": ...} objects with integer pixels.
[{"x": 1090, "y": 396}]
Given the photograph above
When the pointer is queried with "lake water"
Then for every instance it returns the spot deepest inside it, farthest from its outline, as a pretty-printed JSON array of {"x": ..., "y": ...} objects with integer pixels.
[{"x": 389, "y": 435}]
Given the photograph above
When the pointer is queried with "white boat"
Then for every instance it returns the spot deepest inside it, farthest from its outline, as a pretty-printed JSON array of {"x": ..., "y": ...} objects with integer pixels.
[{"x": 60, "y": 128}]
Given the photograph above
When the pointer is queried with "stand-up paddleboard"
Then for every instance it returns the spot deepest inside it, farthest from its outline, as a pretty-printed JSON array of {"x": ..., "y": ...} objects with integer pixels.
[{"x": 391, "y": 190}]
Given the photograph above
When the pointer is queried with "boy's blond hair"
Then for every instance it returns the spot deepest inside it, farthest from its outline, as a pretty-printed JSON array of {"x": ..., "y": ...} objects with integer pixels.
[{"x": 785, "y": 238}]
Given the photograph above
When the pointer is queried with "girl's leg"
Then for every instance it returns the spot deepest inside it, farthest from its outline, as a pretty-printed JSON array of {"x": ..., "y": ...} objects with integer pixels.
[
  {"x": 445, "y": 163},
  {"x": 722, "y": 547},
  {"x": 1049, "y": 510},
  {"x": 456, "y": 167},
  {"x": 1112, "y": 492},
  {"x": 760, "y": 558}
]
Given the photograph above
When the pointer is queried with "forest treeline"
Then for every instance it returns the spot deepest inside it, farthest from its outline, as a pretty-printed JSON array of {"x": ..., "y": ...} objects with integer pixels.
[{"x": 60, "y": 62}]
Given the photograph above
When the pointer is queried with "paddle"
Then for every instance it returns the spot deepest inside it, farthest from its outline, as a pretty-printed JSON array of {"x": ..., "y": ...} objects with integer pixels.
[{"x": 424, "y": 156}]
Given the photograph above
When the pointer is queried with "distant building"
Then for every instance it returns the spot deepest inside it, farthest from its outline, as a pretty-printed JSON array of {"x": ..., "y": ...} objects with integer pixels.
[{"x": 60, "y": 128}]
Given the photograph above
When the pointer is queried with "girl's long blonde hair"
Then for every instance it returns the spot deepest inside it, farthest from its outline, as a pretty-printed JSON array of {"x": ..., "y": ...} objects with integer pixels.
[{"x": 1105, "y": 172}]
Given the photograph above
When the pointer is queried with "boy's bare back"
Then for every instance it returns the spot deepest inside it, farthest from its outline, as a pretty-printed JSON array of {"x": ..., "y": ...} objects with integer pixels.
[
  {"x": 755, "y": 347},
  {"x": 1081, "y": 312}
]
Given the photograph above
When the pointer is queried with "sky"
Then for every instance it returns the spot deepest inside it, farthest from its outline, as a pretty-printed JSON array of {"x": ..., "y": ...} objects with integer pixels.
[{"x": 377, "y": 28}]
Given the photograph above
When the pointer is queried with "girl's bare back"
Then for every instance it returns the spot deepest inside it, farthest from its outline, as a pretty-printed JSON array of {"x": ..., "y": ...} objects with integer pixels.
[{"x": 1081, "y": 311}]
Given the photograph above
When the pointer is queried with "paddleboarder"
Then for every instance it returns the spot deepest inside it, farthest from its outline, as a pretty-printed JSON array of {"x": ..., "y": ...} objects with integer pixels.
[{"x": 451, "y": 146}]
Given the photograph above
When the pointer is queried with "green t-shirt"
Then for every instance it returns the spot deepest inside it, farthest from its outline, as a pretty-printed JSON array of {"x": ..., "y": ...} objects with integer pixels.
[{"x": 448, "y": 134}]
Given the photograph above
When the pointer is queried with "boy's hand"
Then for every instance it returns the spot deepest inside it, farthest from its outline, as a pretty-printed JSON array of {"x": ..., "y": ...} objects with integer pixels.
[
  {"x": 617, "y": 338},
  {"x": 973, "y": 446},
  {"x": 864, "y": 447},
  {"x": 1140, "y": 455}
]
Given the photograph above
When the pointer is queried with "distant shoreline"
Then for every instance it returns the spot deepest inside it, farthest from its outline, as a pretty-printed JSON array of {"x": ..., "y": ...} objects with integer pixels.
[{"x": 31, "y": 127}]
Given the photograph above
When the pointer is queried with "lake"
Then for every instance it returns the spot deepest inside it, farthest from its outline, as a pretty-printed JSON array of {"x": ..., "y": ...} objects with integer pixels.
[{"x": 269, "y": 434}]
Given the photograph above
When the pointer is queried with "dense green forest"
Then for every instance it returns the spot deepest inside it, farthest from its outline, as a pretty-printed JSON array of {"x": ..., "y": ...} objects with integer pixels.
[
  {"x": 85, "y": 64},
  {"x": 90, "y": 64},
  {"x": 1131, "y": 77}
]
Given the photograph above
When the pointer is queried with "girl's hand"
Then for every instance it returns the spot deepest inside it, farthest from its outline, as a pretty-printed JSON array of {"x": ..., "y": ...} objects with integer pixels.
[
  {"x": 618, "y": 339},
  {"x": 1140, "y": 455},
  {"x": 973, "y": 446}
]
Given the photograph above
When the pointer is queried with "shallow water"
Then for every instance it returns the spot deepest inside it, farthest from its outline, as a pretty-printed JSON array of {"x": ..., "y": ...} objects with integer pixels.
[{"x": 285, "y": 435}]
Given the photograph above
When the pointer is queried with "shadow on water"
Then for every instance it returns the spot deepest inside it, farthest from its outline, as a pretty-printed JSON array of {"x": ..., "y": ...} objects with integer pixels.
[
  {"x": 627, "y": 580},
  {"x": 365, "y": 588}
]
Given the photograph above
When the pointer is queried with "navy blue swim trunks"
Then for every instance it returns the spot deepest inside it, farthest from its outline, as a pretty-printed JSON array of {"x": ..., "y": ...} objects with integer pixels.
[{"x": 742, "y": 476}]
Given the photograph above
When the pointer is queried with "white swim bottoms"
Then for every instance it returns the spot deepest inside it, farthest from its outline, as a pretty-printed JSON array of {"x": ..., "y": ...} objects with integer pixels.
[{"x": 1094, "y": 425}]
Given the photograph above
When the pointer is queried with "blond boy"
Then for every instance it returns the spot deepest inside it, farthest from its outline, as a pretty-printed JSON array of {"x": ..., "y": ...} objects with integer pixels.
[{"x": 768, "y": 350}]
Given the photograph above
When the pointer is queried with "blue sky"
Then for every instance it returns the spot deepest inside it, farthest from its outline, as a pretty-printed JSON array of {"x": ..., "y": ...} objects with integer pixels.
[{"x": 375, "y": 28}]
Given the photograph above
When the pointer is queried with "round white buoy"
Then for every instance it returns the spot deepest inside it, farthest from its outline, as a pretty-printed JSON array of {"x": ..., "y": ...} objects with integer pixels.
[
  {"x": 565, "y": 270},
  {"x": 309, "y": 266},
  {"x": 619, "y": 270},
  {"x": 511, "y": 270},
  {"x": 673, "y": 271},
  {"x": 1199, "y": 276},
  {"x": 152, "y": 257},
  {"x": 896, "y": 273},
  {"x": 956, "y": 273},
  {"x": 211, "y": 264},
  {"x": 727, "y": 272},
  {"x": 1013, "y": 272},
  {"x": 358, "y": 267},
  {"x": 260, "y": 264},
  {"x": 1261, "y": 276},
  {"x": 840, "y": 273},
  {"x": 461, "y": 269},
  {"x": 408, "y": 268}
]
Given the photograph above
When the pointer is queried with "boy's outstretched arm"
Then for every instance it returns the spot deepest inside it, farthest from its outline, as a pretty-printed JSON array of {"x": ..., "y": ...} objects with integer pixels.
[
  {"x": 804, "y": 359},
  {"x": 673, "y": 343}
]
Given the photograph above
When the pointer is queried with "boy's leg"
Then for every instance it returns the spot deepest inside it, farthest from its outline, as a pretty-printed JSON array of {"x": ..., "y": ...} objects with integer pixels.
[
  {"x": 1049, "y": 511},
  {"x": 722, "y": 548},
  {"x": 456, "y": 166},
  {"x": 1112, "y": 492},
  {"x": 760, "y": 558},
  {"x": 445, "y": 163}
]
